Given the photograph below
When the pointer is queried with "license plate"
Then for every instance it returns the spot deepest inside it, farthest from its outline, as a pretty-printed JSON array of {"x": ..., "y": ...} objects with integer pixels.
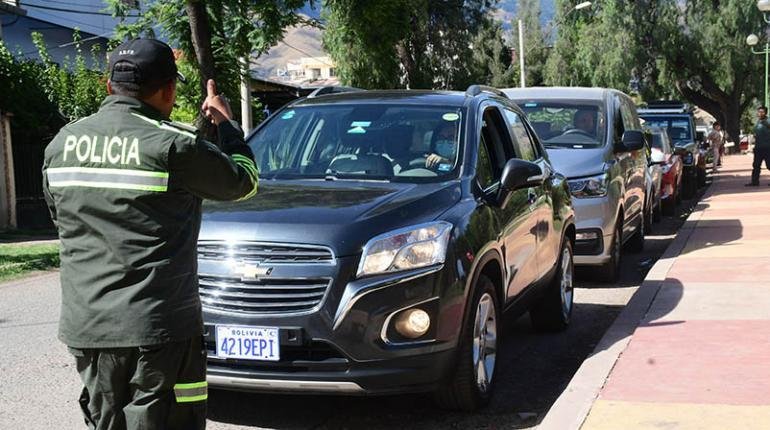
[{"x": 248, "y": 343}]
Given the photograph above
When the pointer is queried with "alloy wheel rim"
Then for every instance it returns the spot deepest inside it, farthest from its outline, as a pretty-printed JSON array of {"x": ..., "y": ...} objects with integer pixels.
[
  {"x": 566, "y": 287},
  {"x": 485, "y": 342}
]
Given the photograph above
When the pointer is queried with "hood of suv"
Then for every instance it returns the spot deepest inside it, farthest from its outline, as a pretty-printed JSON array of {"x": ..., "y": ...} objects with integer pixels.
[
  {"x": 576, "y": 163},
  {"x": 340, "y": 215}
]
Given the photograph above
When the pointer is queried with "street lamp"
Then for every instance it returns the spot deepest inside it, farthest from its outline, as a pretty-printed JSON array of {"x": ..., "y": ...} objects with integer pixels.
[
  {"x": 578, "y": 6},
  {"x": 752, "y": 40}
]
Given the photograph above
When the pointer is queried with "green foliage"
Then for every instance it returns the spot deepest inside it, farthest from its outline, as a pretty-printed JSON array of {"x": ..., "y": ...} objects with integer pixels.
[
  {"x": 76, "y": 89},
  {"x": 408, "y": 43},
  {"x": 362, "y": 38},
  {"x": 535, "y": 52},
  {"x": 693, "y": 50},
  {"x": 239, "y": 29},
  {"x": 492, "y": 57}
]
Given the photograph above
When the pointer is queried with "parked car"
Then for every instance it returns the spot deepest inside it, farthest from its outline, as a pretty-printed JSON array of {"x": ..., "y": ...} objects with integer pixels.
[
  {"x": 653, "y": 180},
  {"x": 670, "y": 162},
  {"x": 594, "y": 137},
  {"x": 390, "y": 232},
  {"x": 677, "y": 118}
]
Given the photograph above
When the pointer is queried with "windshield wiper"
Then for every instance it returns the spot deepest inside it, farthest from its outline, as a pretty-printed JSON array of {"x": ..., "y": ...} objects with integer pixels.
[{"x": 333, "y": 175}]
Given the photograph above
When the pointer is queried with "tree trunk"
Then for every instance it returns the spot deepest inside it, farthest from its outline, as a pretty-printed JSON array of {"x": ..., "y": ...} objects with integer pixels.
[{"x": 201, "y": 41}]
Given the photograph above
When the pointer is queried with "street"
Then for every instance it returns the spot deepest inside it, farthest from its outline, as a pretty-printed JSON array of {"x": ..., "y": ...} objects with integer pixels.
[{"x": 533, "y": 371}]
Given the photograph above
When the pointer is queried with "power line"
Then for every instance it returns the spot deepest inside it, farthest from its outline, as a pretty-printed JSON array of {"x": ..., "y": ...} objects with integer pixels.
[
  {"x": 70, "y": 20},
  {"x": 82, "y": 12}
]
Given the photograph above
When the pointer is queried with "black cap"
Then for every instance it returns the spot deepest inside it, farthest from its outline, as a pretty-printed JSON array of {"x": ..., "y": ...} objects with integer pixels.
[{"x": 152, "y": 59}]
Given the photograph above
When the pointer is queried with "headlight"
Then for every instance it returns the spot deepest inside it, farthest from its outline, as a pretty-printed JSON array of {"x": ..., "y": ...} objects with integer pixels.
[
  {"x": 409, "y": 248},
  {"x": 594, "y": 186}
]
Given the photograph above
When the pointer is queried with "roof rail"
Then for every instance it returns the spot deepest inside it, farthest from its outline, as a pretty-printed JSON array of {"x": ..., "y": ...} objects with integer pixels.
[
  {"x": 332, "y": 90},
  {"x": 475, "y": 90}
]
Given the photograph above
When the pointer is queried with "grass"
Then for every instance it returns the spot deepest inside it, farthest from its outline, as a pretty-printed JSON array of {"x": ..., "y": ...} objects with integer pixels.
[{"x": 18, "y": 260}]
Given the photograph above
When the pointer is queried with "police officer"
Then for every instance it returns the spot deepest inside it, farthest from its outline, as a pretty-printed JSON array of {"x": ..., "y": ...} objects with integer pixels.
[
  {"x": 761, "y": 146},
  {"x": 124, "y": 187}
]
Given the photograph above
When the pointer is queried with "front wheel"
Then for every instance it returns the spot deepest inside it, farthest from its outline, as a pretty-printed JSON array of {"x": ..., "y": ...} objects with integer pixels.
[
  {"x": 610, "y": 271},
  {"x": 636, "y": 243},
  {"x": 554, "y": 310},
  {"x": 470, "y": 385}
]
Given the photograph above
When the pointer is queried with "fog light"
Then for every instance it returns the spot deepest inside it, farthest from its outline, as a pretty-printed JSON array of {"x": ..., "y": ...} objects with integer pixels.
[
  {"x": 590, "y": 235},
  {"x": 413, "y": 323}
]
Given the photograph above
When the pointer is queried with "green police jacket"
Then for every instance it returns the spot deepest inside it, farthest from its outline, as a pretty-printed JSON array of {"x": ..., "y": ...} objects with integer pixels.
[
  {"x": 124, "y": 188},
  {"x": 762, "y": 135}
]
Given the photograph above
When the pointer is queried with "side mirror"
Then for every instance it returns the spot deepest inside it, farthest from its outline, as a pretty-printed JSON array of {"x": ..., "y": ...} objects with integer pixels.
[
  {"x": 521, "y": 174},
  {"x": 657, "y": 157},
  {"x": 633, "y": 140}
]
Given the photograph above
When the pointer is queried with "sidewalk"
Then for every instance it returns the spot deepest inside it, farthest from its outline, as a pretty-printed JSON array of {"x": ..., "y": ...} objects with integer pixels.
[{"x": 694, "y": 343}]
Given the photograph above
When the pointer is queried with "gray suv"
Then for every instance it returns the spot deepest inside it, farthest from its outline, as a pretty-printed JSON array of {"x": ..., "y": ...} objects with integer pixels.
[{"x": 593, "y": 136}]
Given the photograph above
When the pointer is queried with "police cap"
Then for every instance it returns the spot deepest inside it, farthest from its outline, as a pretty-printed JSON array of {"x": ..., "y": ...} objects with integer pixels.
[{"x": 152, "y": 60}]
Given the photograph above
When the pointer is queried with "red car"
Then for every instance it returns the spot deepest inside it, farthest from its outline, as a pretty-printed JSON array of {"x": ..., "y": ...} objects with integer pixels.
[{"x": 671, "y": 163}]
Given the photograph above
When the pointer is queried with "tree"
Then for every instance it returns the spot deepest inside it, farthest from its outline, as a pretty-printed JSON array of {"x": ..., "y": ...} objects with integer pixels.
[
  {"x": 535, "y": 53},
  {"x": 706, "y": 59},
  {"x": 213, "y": 35},
  {"x": 405, "y": 43},
  {"x": 492, "y": 57},
  {"x": 693, "y": 50}
]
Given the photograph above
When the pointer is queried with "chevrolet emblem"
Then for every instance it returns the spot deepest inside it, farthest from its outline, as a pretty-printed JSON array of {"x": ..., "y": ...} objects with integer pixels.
[{"x": 251, "y": 271}]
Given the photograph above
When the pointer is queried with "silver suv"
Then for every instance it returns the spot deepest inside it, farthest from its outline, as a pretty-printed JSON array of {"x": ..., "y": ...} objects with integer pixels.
[{"x": 593, "y": 136}]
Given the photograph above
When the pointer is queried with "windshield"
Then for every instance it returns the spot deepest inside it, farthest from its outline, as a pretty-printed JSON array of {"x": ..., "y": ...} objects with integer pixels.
[
  {"x": 566, "y": 124},
  {"x": 678, "y": 128},
  {"x": 363, "y": 142}
]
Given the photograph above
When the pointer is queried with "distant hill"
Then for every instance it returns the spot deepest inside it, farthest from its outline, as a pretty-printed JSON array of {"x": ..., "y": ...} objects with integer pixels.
[{"x": 508, "y": 11}]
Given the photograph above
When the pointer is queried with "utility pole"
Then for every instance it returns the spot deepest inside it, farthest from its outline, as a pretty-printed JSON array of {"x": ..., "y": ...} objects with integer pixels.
[
  {"x": 245, "y": 96},
  {"x": 523, "y": 78}
]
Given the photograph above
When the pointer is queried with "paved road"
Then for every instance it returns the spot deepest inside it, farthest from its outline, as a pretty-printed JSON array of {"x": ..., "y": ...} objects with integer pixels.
[{"x": 39, "y": 384}]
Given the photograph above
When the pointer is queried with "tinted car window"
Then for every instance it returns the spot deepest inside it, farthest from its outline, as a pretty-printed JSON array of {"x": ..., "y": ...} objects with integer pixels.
[
  {"x": 679, "y": 129},
  {"x": 521, "y": 141},
  {"x": 360, "y": 141},
  {"x": 484, "y": 167},
  {"x": 578, "y": 124}
]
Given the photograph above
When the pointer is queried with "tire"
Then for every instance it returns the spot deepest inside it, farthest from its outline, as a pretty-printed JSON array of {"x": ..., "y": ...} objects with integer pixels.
[
  {"x": 463, "y": 390},
  {"x": 609, "y": 272},
  {"x": 689, "y": 185},
  {"x": 701, "y": 177},
  {"x": 647, "y": 217},
  {"x": 657, "y": 213},
  {"x": 669, "y": 205},
  {"x": 554, "y": 311},
  {"x": 636, "y": 243}
]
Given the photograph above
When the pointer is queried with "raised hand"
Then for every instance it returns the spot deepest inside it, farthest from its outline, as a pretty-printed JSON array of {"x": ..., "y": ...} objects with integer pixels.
[{"x": 215, "y": 107}]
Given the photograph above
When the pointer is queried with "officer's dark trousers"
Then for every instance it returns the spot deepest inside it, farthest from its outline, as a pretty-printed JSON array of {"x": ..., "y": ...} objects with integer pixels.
[
  {"x": 159, "y": 387},
  {"x": 760, "y": 155}
]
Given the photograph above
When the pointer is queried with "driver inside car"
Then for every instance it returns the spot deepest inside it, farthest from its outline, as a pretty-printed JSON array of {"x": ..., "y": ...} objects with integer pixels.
[
  {"x": 444, "y": 146},
  {"x": 584, "y": 121}
]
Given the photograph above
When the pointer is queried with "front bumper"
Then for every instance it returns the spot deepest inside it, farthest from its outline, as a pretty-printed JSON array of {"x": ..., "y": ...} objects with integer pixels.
[
  {"x": 341, "y": 346},
  {"x": 596, "y": 218}
]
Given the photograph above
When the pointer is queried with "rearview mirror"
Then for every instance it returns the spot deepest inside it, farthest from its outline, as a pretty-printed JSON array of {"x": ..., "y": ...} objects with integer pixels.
[
  {"x": 633, "y": 140},
  {"x": 521, "y": 174}
]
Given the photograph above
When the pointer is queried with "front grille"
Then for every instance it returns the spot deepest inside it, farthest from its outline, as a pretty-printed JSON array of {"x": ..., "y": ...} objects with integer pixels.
[
  {"x": 263, "y": 252},
  {"x": 264, "y": 295}
]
